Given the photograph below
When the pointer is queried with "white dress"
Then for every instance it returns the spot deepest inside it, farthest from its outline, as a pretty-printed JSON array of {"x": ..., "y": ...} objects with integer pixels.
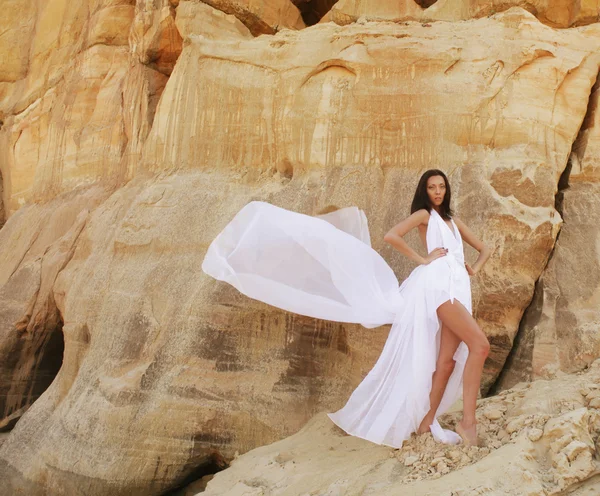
[{"x": 324, "y": 267}]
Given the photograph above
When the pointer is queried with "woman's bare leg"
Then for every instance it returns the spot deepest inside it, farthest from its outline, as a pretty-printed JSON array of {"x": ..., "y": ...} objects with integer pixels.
[
  {"x": 463, "y": 325},
  {"x": 443, "y": 370}
]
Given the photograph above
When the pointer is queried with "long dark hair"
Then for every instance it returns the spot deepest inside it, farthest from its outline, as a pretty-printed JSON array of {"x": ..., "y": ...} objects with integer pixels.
[{"x": 421, "y": 199}]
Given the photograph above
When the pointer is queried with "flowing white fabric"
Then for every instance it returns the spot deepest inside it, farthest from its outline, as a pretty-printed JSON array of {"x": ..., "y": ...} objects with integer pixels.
[{"x": 324, "y": 267}]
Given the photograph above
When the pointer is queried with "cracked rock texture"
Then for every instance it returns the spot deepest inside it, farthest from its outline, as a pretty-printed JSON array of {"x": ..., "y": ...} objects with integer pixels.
[
  {"x": 546, "y": 441},
  {"x": 556, "y": 13},
  {"x": 132, "y": 131},
  {"x": 560, "y": 331}
]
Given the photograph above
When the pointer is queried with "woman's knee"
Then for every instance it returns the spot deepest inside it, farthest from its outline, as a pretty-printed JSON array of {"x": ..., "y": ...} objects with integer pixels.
[{"x": 480, "y": 348}]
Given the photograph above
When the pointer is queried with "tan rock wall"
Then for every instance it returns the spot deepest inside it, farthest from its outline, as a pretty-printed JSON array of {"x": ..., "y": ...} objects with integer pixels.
[
  {"x": 497, "y": 112},
  {"x": 261, "y": 17},
  {"x": 561, "y": 328},
  {"x": 556, "y": 13},
  {"x": 541, "y": 439},
  {"x": 63, "y": 119},
  {"x": 162, "y": 365},
  {"x": 37, "y": 243}
]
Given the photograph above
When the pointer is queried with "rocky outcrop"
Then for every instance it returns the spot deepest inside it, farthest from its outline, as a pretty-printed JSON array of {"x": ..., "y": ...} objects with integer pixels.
[
  {"x": 360, "y": 110},
  {"x": 540, "y": 439},
  {"x": 37, "y": 242},
  {"x": 64, "y": 123},
  {"x": 560, "y": 14},
  {"x": 142, "y": 154},
  {"x": 261, "y": 17},
  {"x": 560, "y": 330},
  {"x": 155, "y": 350},
  {"x": 313, "y": 10},
  {"x": 154, "y": 37}
]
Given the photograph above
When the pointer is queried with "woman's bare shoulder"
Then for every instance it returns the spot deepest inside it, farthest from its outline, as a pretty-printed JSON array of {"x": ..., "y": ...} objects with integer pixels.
[
  {"x": 416, "y": 219},
  {"x": 422, "y": 215}
]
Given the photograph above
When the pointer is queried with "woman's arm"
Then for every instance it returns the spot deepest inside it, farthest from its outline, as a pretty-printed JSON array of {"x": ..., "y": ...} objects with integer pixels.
[
  {"x": 394, "y": 238},
  {"x": 475, "y": 242}
]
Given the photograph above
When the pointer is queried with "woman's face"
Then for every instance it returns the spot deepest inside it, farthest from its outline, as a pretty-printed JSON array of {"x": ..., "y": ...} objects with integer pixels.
[{"x": 436, "y": 190}]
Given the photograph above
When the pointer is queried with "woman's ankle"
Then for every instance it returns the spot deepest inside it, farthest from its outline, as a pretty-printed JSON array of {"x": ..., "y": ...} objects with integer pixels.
[{"x": 467, "y": 422}]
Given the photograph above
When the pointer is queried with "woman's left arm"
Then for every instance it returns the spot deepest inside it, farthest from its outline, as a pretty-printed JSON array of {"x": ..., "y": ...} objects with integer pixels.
[{"x": 469, "y": 237}]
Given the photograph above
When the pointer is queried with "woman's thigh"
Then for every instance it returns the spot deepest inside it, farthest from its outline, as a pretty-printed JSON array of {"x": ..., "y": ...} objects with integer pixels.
[{"x": 458, "y": 319}]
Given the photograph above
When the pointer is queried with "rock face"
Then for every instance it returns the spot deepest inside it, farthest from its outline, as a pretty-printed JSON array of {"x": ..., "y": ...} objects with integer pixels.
[
  {"x": 38, "y": 242},
  {"x": 261, "y": 17},
  {"x": 313, "y": 10},
  {"x": 556, "y": 13},
  {"x": 545, "y": 441},
  {"x": 359, "y": 112},
  {"x": 560, "y": 330},
  {"x": 64, "y": 122},
  {"x": 131, "y": 134},
  {"x": 190, "y": 361}
]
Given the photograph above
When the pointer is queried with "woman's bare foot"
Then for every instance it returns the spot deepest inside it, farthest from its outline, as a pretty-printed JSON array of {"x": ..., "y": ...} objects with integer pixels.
[
  {"x": 468, "y": 433},
  {"x": 424, "y": 427}
]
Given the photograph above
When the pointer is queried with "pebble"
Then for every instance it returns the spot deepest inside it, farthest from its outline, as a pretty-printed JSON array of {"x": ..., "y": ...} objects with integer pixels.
[
  {"x": 514, "y": 425},
  {"x": 595, "y": 403},
  {"x": 454, "y": 454},
  {"x": 535, "y": 434},
  {"x": 574, "y": 448},
  {"x": 492, "y": 414}
]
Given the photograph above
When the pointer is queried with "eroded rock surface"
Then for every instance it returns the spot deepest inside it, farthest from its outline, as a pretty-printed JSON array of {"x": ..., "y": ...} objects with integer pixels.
[
  {"x": 386, "y": 101},
  {"x": 561, "y": 329},
  {"x": 149, "y": 153},
  {"x": 556, "y": 13},
  {"x": 539, "y": 439}
]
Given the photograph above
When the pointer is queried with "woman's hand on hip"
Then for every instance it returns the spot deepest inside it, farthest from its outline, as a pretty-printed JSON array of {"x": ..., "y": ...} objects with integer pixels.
[
  {"x": 470, "y": 270},
  {"x": 435, "y": 254}
]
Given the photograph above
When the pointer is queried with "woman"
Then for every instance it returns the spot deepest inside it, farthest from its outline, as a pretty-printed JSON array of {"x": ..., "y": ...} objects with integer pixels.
[
  {"x": 433, "y": 192},
  {"x": 324, "y": 267}
]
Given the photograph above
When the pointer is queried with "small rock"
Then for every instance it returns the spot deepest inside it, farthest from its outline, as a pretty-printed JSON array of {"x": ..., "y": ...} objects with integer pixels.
[
  {"x": 454, "y": 454},
  {"x": 492, "y": 414},
  {"x": 410, "y": 460},
  {"x": 595, "y": 403},
  {"x": 573, "y": 449},
  {"x": 495, "y": 444},
  {"x": 473, "y": 450},
  {"x": 535, "y": 434},
  {"x": 514, "y": 425},
  {"x": 442, "y": 468},
  {"x": 561, "y": 443}
]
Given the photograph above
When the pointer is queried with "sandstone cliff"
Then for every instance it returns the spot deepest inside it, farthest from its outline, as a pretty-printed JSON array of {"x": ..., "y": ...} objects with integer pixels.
[{"x": 132, "y": 131}]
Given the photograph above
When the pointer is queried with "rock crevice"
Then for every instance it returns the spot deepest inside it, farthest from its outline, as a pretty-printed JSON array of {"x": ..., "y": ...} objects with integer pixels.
[{"x": 536, "y": 350}]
